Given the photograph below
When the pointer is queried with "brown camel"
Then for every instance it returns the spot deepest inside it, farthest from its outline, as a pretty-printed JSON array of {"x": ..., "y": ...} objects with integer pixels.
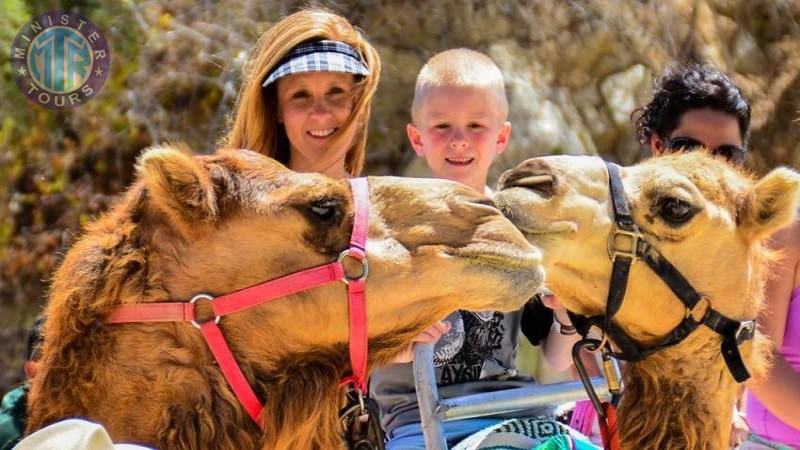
[
  {"x": 220, "y": 223},
  {"x": 706, "y": 218}
]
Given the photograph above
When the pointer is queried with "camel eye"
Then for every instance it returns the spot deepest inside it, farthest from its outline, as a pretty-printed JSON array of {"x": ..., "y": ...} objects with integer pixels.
[
  {"x": 675, "y": 211},
  {"x": 324, "y": 210}
]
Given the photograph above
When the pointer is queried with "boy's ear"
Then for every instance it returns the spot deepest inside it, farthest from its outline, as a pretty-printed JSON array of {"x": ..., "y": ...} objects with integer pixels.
[
  {"x": 502, "y": 138},
  {"x": 771, "y": 204},
  {"x": 179, "y": 185},
  {"x": 415, "y": 137}
]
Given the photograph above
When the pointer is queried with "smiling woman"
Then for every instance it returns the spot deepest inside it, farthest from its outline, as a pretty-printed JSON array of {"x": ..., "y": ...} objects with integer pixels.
[{"x": 306, "y": 95}]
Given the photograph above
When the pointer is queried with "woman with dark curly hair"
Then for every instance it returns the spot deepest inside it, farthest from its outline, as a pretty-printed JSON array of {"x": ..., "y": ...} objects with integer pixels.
[{"x": 695, "y": 106}]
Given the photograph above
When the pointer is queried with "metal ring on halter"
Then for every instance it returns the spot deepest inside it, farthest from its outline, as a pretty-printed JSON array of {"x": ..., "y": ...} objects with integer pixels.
[
  {"x": 602, "y": 344},
  {"x": 602, "y": 339},
  {"x": 364, "y": 267},
  {"x": 745, "y": 330},
  {"x": 202, "y": 297}
]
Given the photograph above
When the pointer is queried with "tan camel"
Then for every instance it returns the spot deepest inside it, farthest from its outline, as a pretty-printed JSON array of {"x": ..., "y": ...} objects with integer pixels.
[
  {"x": 709, "y": 221},
  {"x": 220, "y": 223}
]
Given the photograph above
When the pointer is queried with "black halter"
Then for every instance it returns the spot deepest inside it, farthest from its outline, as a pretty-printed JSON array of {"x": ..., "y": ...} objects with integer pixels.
[{"x": 626, "y": 244}]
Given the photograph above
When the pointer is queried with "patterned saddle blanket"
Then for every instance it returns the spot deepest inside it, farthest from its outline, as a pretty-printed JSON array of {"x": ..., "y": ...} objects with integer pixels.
[{"x": 526, "y": 433}]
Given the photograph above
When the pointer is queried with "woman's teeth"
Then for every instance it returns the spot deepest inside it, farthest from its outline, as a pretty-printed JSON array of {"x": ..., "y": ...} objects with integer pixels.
[
  {"x": 459, "y": 161},
  {"x": 322, "y": 133}
]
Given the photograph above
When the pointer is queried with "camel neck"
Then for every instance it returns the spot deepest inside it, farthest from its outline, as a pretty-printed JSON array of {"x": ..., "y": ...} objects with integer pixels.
[{"x": 681, "y": 397}]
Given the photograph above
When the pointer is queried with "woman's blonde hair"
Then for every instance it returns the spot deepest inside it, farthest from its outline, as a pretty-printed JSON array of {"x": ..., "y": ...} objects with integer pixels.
[{"x": 255, "y": 124}]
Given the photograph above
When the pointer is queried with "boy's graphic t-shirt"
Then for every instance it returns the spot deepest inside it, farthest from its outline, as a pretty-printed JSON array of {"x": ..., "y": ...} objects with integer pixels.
[
  {"x": 472, "y": 349},
  {"x": 477, "y": 355}
]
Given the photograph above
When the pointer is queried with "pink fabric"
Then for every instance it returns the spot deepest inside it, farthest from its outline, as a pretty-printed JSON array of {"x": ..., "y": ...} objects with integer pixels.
[
  {"x": 791, "y": 335},
  {"x": 583, "y": 417},
  {"x": 761, "y": 421}
]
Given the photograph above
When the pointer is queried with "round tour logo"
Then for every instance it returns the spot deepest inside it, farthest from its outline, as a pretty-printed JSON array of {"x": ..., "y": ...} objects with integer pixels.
[{"x": 60, "y": 60}]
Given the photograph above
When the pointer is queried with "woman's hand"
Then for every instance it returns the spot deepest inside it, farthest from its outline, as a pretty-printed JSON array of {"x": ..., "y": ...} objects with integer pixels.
[
  {"x": 557, "y": 347},
  {"x": 429, "y": 336},
  {"x": 559, "y": 312}
]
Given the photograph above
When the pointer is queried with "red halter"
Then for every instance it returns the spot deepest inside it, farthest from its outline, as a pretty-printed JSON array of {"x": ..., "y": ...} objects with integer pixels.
[{"x": 271, "y": 290}]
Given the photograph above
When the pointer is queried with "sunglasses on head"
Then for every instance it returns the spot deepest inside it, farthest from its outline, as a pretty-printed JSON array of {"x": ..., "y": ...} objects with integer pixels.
[{"x": 733, "y": 153}]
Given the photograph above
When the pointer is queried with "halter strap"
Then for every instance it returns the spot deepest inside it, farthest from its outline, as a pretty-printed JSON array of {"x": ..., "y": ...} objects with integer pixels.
[
  {"x": 230, "y": 303},
  {"x": 271, "y": 290},
  {"x": 733, "y": 332},
  {"x": 355, "y": 287}
]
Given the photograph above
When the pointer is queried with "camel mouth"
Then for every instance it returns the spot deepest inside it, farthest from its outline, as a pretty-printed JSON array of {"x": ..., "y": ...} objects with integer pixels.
[
  {"x": 521, "y": 207},
  {"x": 497, "y": 255},
  {"x": 553, "y": 228}
]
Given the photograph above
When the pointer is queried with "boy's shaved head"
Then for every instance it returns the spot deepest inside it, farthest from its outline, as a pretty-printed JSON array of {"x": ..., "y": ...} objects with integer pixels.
[{"x": 460, "y": 67}]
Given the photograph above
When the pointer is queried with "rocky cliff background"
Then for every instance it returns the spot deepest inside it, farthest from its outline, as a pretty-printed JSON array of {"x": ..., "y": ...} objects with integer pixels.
[{"x": 574, "y": 72}]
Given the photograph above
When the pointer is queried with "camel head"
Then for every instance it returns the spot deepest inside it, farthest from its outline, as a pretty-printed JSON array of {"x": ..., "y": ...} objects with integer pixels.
[
  {"x": 709, "y": 220},
  {"x": 703, "y": 216},
  {"x": 217, "y": 224}
]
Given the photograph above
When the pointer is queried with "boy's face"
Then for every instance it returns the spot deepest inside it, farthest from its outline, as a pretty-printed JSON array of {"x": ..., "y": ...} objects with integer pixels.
[{"x": 459, "y": 131}]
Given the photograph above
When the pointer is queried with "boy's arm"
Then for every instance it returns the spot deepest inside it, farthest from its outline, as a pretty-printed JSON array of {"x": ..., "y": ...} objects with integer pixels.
[{"x": 429, "y": 336}]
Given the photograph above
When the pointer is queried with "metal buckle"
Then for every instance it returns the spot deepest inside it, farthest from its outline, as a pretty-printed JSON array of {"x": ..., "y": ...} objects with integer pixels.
[
  {"x": 364, "y": 267},
  {"x": 202, "y": 297},
  {"x": 745, "y": 330},
  {"x": 634, "y": 236},
  {"x": 361, "y": 405}
]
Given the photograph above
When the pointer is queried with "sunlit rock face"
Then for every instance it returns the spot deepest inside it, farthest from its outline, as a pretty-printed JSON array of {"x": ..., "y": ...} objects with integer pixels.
[{"x": 575, "y": 71}]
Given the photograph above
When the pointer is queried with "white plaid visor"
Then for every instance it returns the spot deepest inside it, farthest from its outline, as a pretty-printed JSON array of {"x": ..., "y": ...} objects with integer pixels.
[{"x": 319, "y": 56}]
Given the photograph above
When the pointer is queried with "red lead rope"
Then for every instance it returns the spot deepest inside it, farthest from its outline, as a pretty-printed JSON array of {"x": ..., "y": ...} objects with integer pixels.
[
  {"x": 608, "y": 428},
  {"x": 271, "y": 290}
]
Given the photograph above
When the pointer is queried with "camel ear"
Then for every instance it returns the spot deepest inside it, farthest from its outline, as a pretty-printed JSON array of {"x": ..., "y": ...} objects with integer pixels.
[
  {"x": 178, "y": 184},
  {"x": 770, "y": 204}
]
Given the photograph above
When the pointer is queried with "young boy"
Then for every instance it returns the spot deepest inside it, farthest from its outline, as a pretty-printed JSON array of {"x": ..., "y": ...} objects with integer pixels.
[{"x": 459, "y": 126}]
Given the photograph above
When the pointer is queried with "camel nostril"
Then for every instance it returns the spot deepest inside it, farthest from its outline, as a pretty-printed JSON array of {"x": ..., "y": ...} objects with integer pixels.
[
  {"x": 485, "y": 201},
  {"x": 542, "y": 184},
  {"x": 471, "y": 205},
  {"x": 484, "y": 206}
]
